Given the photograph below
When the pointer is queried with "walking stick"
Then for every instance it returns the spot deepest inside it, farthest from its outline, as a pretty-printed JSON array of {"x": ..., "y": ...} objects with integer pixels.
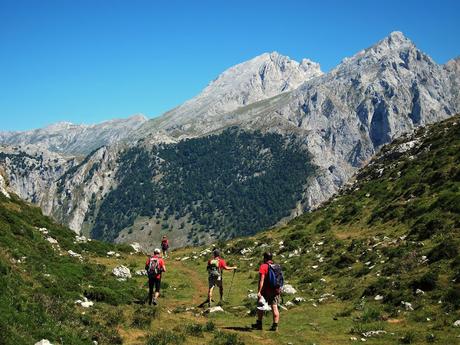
[{"x": 231, "y": 284}]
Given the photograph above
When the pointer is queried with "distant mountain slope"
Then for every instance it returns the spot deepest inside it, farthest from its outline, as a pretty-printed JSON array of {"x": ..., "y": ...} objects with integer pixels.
[{"x": 69, "y": 139}]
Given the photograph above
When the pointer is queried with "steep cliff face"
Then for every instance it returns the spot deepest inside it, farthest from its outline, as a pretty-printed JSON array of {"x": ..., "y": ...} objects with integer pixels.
[
  {"x": 70, "y": 139},
  {"x": 31, "y": 173}
]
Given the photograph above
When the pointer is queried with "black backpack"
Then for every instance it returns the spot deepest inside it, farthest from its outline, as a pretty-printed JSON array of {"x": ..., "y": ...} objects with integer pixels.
[{"x": 275, "y": 276}]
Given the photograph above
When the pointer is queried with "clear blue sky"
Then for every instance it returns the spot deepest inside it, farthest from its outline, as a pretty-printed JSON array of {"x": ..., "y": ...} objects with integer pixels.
[{"x": 87, "y": 61}]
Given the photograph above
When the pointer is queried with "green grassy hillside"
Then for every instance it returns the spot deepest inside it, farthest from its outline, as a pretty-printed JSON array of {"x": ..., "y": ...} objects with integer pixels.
[{"x": 390, "y": 237}]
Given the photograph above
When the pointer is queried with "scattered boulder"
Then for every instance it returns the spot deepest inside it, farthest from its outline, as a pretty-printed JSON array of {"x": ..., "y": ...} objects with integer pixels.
[
  {"x": 85, "y": 303},
  {"x": 298, "y": 300},
  {"x": 43, "y": 342},
  {"x": 52, "y": 240},
  {"x": 81, "y": 239},
  {"x": 289, "y": 304},
  {"x": 373, "y": 333},
  {"x": 419, "y": 292},
  {"x": 407, "y": 305},
  {"x": 288, "y": 290},
  {"x": 253, "y": 295},
  {"x": 111, "y": 253},
  {"x": 44, "y": 231},
  {"x": 121, "y": 272},
  {"x": 185, "y": 258},
  {"x": 378, "y": 298},
  {"x": 136, "y": 246},
  {"x": 141, "y": 273},
  {"x": 245, "y": 251},
  {"x": 75, "y": 255},
  {"x": 457, "y": 323}
]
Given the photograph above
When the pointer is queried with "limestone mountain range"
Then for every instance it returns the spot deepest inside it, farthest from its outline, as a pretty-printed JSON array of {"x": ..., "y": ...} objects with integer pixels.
[{"x": 341, "y": 118}]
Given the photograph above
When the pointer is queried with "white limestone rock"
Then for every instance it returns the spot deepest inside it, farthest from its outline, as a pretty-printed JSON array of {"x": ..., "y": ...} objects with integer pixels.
[
  {"x": 43, "y": 342},
  {"x": 121, "y": 272},
  {"x": 288, "y": 289}
]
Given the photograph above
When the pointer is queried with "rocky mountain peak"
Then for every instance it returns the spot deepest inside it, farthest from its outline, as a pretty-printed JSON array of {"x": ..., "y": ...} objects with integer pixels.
[{"x": 260, "y": 78}]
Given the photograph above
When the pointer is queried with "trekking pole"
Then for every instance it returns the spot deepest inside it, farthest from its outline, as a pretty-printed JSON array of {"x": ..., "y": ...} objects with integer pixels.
[{"x": 231, "y": 284}]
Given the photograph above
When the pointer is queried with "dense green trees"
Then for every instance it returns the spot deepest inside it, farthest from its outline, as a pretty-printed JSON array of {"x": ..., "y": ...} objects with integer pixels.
[{"x": 233, "y": 183}]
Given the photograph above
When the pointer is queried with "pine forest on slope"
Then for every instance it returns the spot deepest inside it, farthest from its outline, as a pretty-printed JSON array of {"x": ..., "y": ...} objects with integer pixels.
[{"x": 232, "y": 184}]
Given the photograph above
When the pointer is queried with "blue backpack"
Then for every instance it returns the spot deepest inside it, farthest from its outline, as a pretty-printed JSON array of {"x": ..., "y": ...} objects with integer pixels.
[{"x": 275, "y": 276}]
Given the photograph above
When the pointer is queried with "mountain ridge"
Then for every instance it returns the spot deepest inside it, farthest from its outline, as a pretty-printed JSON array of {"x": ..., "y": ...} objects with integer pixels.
[{"x": 340, "y": 119}]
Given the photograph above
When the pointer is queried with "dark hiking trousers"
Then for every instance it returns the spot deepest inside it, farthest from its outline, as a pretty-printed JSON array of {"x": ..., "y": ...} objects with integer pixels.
[{"x": 153, "y": 284}]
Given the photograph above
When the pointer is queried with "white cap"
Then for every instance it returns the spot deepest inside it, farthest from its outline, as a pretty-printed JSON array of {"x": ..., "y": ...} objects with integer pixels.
[{"x": 156, "y": 251}]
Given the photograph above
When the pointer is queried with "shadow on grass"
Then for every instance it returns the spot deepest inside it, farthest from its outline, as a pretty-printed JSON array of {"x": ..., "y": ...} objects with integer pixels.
[{"x": 239, "y": 329}]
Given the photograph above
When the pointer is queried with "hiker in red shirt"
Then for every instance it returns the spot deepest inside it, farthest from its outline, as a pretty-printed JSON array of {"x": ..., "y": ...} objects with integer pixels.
[
  {"x": 215, "y": 267},
  {"x": 154, "y": 266},
  {"x": 270, "y": 294},
  {"x": 164, "y": 246}
]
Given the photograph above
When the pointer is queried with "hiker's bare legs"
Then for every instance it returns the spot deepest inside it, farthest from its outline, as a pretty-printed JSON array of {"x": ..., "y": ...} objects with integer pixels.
[
  {"x": 260, "y": 315},
  {"x": 276, "y": 313},
  {"x": 210, "y": 294},
  {"x": 157, "y": 294},
  {"x": 221, "y": 291}
]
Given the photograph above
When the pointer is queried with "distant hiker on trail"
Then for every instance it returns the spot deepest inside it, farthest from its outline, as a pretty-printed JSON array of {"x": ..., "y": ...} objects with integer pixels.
[
  {"x": 215, "y": 267},
  {"x": 154, "y": 266},
  {"x": 270, "y": 282},
  {"x": 164, "y": 246}
]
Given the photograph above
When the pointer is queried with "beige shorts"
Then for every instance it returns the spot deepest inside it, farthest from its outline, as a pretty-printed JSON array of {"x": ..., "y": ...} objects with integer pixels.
[{"x": 273, "y": 299}]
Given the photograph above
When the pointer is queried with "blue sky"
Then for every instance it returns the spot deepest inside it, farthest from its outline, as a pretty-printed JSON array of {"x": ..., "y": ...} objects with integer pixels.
[{"x": 90, "y": 61}]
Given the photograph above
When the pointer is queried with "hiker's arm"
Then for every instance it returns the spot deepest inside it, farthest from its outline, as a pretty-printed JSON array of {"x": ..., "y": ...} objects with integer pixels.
[
  {"x": 261, "y": 284},
  {"x": 229, "y": 267}
]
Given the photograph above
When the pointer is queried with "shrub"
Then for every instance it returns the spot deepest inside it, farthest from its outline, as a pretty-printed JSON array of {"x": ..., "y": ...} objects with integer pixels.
[
  {"x": 452, "y": 297},
  {"x": 371, "y": 314},
  {"x": 447, "y": 249},
  {"x": 344, "y": 260},
  {"x": 166, "y": 338},
  {"x": 426, "y": 227},
  {"x": 407, "y": 338},
  {"x": 323, "y": 226},
  {"x": 427, "y": 282},
  {"x": 222, "y": 338},
  {"x": 210, "y": 326},
  {"x": 194, "y": 329}
]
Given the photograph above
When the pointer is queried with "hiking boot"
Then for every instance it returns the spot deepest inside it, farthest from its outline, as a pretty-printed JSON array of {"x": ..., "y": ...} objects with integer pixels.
[
  {"x": 154, "y": 301},
  {"x": 257, "y": 325},
  {"x": 274, "y": 327}
]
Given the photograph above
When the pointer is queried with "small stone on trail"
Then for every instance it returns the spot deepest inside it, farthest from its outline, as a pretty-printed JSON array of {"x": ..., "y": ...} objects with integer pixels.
[
  {"x": 216, "y": 309},
  {"x": 457, "y": 323},
  {"x": 378, "y": 298}
]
